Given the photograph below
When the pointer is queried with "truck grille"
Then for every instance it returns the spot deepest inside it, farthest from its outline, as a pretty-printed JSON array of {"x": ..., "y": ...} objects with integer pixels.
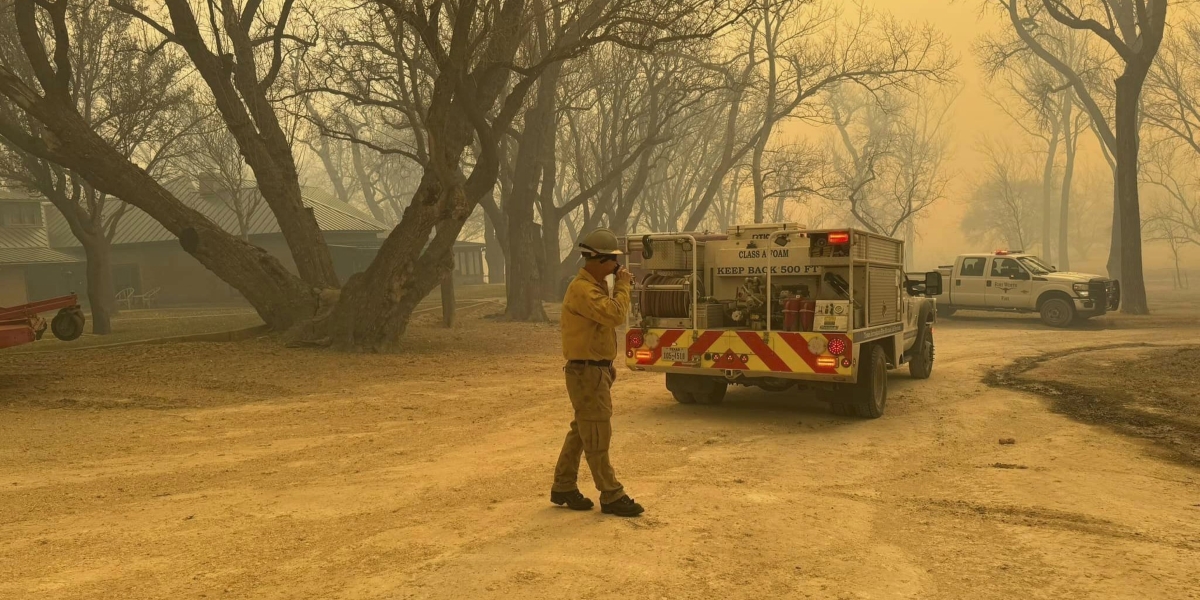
[{"x": 1106, "y": 291}]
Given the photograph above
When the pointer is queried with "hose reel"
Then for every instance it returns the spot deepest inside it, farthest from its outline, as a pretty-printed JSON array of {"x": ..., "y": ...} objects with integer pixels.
[{"x": 668, "y": 296}]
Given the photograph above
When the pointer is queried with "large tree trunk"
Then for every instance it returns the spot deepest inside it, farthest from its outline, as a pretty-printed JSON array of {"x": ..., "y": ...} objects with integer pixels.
[
  {"x": 100, "y": 289},
  {"x": 375, "y": 306},
  {"x": 551, "y": 216},
  {"x": 242, "y": 101},
  {"x": 493, "y": 251},
  {"x": 1048, "y": 191},
  {"x": 1070, "y": 145},
  {"x": 1115, "y": 240},
  {"x": 551, "y": 259},
  {"x": 524, "y": 289},
  {"x": 526, "y": 257},
  {"x": 1133, "y": 287},
  {"x": 448, "y": 299}
]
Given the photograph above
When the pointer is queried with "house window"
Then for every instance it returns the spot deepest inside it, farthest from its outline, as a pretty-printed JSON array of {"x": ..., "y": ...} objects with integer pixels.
[{"x": 22, "y": 214}]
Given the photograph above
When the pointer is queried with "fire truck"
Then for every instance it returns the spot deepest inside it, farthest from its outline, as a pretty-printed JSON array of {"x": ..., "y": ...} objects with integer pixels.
[{"x": 778, "y": 306}]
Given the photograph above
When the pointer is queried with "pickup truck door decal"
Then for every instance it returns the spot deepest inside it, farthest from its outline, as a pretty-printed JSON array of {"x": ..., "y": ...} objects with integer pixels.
[{"x": 1009, "y": 285}]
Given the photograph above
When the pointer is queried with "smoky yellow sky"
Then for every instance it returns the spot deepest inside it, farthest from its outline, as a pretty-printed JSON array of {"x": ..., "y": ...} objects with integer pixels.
[{"x": 975, "y": 117}]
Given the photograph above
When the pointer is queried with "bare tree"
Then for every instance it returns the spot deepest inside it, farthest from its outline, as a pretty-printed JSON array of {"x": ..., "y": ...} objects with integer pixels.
[
  {"x": 1133, "y": 31},
  {"x": 222, "y": 173},
  {"x": 1172, "y": 108},
  {"x": 64, "y": 136},
  {"x": 128, "y": 97},
  {"x": 871, "y": 51},
  {"x": 1003, "y": 208},
  {"x": 1045, "y": 106},
  {"x": 240, "y": 54},
  {"x": 1169, "y": 167},
  {"x": 888, "y": 153}
]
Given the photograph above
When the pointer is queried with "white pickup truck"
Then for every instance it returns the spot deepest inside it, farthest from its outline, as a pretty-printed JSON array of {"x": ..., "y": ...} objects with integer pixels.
[{"x": 1019, "y": 282}]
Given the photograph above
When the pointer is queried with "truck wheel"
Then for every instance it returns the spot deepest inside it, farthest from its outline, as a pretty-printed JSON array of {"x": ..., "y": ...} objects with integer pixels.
[
  {"x": 692, "y": 389},
  {"x": 839, "y": 399},
  {"x": 921, "y": 365},
  {"x": 1058, "y": 312},
  {"x": 945, "y": 311},
  {"x": 715, "y": 394},
  {"x": 842, "y": 409},
  {"x": 67, "y": 325},
  {"x": 684, "y": 397},
  {"x": 870, "y": 392}
]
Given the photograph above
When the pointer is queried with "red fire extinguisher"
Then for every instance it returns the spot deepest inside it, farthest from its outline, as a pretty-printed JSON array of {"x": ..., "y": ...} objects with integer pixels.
[
  {"x": 791, "y": 313},
  {"x": 808, "y": 311}
]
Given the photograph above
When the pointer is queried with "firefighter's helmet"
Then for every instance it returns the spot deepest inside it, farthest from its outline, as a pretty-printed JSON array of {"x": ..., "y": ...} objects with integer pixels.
[{"x": 601, "y": 242}]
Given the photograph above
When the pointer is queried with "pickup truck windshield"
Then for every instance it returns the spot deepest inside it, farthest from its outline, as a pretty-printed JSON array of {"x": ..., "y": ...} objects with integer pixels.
[{"x": 1034, "y": 265}]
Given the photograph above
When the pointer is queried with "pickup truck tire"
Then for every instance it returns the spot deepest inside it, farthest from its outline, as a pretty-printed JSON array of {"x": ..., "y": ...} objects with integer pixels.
[
  {"x": 921, "y": 365},
  {"x": 870, "y": 392},
  {"x": 1058, "y": 312},
  {"x": 946, "y": 311}
]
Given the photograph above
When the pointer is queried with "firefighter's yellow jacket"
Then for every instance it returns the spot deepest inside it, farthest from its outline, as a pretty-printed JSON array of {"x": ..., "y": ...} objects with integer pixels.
[{"x": 590, "y": 318}]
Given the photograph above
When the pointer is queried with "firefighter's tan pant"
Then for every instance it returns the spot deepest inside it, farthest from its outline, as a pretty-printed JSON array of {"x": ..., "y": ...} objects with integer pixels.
[{"x": 591, "y": 432}]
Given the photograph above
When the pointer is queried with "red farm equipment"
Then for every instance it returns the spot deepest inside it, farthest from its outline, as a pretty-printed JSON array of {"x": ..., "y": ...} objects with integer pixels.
[{"x": 22, "y": 324}]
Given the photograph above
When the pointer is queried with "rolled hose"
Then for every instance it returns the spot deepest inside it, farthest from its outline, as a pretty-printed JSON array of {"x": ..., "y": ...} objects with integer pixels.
[{"x": 666, "y": 304}]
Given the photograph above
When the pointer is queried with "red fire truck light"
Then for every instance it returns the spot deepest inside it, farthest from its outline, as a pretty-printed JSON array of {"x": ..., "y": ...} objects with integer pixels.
[
  {"x": 837, "y": 346},
  {"x": 634, "y": 339},
  {"x": 839, "y": 237}
]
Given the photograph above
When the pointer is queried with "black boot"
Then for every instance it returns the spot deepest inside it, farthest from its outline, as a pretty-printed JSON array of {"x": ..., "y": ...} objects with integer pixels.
[
  {"x": 622, "y": 507},
  {"x": 573, "y": 499}
]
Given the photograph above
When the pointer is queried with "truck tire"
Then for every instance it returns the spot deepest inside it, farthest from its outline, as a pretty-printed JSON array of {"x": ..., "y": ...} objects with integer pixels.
[
  {"x": 1058, "y": 312},
  {"x": 715, "y": 394},
  {"x": 68, "y": 324},
  {"x": 945, "y": 311},
  {"x": 920, "y": 366},
  {"x": 684, "y": 397},
  {"x": 870, "y": 392},
  {"x": 693, "y": 389}
]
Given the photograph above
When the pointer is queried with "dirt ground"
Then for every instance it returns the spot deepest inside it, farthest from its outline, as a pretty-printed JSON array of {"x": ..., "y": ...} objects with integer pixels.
[
  {"x": 249, "y": 470},
  {"x": 1138, "y": 389}
]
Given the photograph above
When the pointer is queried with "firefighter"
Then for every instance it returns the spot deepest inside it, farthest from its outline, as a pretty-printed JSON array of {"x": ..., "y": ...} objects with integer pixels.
[{"x": 590, "y": 318}]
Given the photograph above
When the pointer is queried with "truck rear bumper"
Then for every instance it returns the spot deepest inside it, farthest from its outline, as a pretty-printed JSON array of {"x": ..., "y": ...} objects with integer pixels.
[
  {"x": 735, "y": 375},
  {"x": 734, "y": 354}
]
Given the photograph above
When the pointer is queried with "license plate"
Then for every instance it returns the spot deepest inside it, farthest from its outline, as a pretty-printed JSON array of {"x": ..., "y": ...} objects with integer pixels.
[{"x": 675, "y": 354}]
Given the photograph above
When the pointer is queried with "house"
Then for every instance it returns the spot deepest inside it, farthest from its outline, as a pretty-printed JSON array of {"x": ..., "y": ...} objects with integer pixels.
[
  {"x": 29, "y": 268},
  {"x": 468, "y": 263},
  {"x": 145, "y": 256}
]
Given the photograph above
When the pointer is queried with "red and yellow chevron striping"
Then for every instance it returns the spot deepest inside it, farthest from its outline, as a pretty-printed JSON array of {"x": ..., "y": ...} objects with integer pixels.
[{"x": 780, "y": 353}]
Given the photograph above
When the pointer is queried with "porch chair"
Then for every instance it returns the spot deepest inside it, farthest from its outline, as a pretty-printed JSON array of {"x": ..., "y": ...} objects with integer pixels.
[
  {"x": 147, "y": 299},
  {"x": 125, "y": 297}
]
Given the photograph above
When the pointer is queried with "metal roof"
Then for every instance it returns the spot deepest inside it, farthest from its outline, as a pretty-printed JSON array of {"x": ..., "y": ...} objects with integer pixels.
[
  {"x": 23, "y": 236},
  {"x": 32, "y": 256},
  {"x": 137, "y": 227},
  {"x": 18, "y": 195}
]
